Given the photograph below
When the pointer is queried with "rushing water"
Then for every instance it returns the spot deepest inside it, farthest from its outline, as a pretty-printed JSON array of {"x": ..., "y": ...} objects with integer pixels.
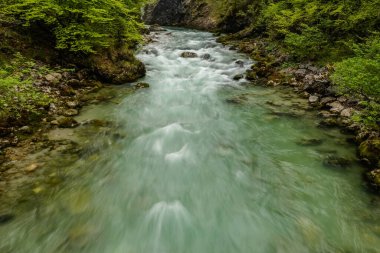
[{"x": 204, "y": 164}]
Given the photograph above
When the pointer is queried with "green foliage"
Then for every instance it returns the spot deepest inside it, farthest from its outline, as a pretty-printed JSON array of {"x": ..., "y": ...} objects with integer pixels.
[
  {"x": 307, "y": 28},
  {"x": 360, "y": 75},
  {"x": 307, "y": 44},
  {"x": 78, "y": 25},
  {"x": 370, "y": 115},
  {"x": 20, "y": 101}
]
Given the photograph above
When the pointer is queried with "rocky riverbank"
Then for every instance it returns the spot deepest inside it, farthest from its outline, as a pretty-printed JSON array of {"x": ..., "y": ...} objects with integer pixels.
[
  {"x": 33, "y": 151},
  {"x": 272, "y": 68}
]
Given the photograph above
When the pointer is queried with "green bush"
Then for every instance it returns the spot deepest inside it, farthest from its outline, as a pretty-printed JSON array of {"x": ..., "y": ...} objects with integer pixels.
[
  {"x": 20, "y": 100},
  {"x": 308, "y": 44},
  {"x": 360, "y": 75},
  {"x": 78, "y": 26}
]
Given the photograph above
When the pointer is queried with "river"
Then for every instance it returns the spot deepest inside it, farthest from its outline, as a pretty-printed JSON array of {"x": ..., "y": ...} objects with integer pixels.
[{"x": 204, "y": 164}]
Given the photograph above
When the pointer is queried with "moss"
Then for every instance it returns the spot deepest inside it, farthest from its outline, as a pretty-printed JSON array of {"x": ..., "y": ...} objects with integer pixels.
[{"x": 370, "y": 150}]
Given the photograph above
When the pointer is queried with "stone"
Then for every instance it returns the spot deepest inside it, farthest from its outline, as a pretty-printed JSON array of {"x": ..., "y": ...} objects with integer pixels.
[
  {"x": 65, "y": 122},
  {"x": 189, "y": 55},
  {"x": 71, "y": 112},
  {"x": 336, "y": 107},
  {"x": 26, "y": 129},
  {"x": 313, "y": 99},
  {"x": 141, "y": 85},
  {"x": 72, "y": 104},
  {"x": 300, "y": 73},
  {"x": 310, "y": 142},
  {"x": 326, "y": 114},
  {"x": 238, "y": 77},
  {"x": 329, "y": 122},
  {"x": 327, "y": 100},
  {"x": 348, "y": 112},
  {"x": 75, "y": 83},
  {"x": 206, "y": 57},
  {"x": 31, "y": 168},
  {"x": 53, "y": 77},
  {"x": 336, "y": 161},
  {"x": 240, "y": 63},
  {"x": 342, "y": 99}
]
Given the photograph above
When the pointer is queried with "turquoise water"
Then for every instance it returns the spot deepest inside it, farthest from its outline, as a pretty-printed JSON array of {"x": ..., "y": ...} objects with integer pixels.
[{"x": 203, "y": 164}]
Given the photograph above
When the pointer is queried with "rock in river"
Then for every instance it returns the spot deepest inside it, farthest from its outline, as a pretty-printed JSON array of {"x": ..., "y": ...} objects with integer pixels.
[{"x": 189, "y": 55}]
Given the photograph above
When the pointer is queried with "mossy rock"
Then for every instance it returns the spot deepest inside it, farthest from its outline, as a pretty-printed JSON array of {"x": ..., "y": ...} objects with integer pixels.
[
  {"x": 141, "y": 85},
  {"x": 370, "y": 151},
  {"x": 373, "y": 180}
]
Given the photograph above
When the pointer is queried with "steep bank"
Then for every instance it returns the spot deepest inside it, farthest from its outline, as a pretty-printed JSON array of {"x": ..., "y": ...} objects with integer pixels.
[{"x": 188, "y": 13}]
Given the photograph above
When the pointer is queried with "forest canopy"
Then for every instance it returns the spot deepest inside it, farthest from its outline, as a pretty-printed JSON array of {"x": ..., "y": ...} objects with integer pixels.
[{"x": 77, "y": 25}]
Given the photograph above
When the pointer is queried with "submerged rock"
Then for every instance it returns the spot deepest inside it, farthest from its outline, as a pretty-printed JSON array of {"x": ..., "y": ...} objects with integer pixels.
[
  {"x": 240, "y": 63},
  {"x": 336, "y": 161},
  {"x": 206, "y": 57},
  {"x": 238, "y": 77},
  {"x": 309, "y": 142},
  {"x": 5, "y": 218},
  {"x": 189, "y": 55}
]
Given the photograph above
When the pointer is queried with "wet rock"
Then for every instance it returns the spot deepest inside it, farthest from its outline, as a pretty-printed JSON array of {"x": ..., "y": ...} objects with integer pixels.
[
  {"x": 336, "y": 161},
  {"x": 348, "y": 112},
  {"x": 151, "y": 51},
  {"x": 5, "y": 218},
  {"x": 310, "y": 142},
  {"x": 189, "y": 55},
  {"x": 326, "y": 114},
  {"x": 336, "y": 107},
  {"x": 71, "y": 112},
  {"x": 72, "y": 104},
  {"x": 238, "y": 77},
  {"x": 373, "y": 180},
  {"x": 370, "y": 151},
  {"x": 65, "y": 122},
  {"x": 240, "y": 63},
  {"x": 329, "y": 122},
  {"x": 313, "y": 99},
  {"x": 237, "y": 100},
  {"x": 327, "y": 100},
  {"x": 206, "y": 57},
  {"x": 141, "y": 85}
]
